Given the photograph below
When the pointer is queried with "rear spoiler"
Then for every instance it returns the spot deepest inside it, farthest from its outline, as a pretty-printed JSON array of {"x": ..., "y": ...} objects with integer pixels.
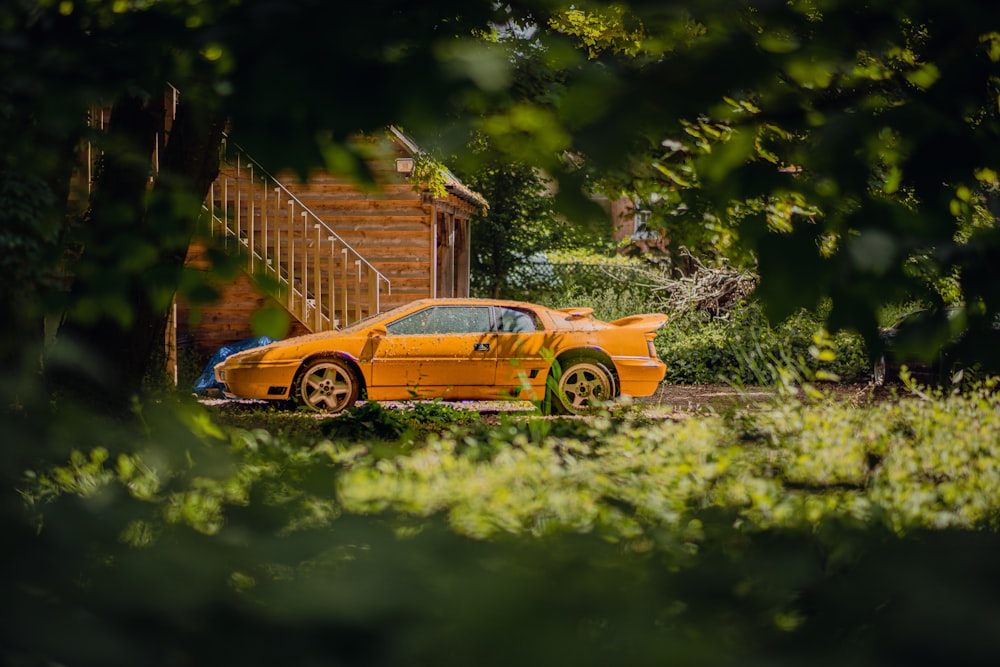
[{"x": 646, "y": 322}]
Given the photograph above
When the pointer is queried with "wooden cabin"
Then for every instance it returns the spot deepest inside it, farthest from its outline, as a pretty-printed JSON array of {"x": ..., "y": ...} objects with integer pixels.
[{"x": 326, "y": 249}]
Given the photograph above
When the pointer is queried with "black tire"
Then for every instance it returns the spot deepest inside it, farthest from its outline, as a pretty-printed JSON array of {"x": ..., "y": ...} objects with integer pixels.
[
  {"x": 327, "y": 385},
  {"x": 582, "y": 387}
]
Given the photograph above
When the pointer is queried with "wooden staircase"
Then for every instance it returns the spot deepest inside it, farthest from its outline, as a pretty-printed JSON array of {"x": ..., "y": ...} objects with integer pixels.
[
  {"x": 319, "y": 276},
  {"x": 300, "y": 240},
  {"x": 314, "y": 271}
]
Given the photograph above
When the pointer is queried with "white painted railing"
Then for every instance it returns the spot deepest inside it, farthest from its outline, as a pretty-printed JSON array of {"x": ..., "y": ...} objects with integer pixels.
[{"x": 323, "y": 281}]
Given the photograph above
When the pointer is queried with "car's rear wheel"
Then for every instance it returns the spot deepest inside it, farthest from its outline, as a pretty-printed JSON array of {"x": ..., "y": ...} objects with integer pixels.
[
  {"x": 327, "y": 385},
  {"x": 582, "y": 387}
]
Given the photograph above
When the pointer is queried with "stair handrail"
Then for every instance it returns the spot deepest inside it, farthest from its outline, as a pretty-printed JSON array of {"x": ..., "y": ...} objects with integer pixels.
[
  {"x": 227, "y": 232},
  {"x": 315, "y": 218}
]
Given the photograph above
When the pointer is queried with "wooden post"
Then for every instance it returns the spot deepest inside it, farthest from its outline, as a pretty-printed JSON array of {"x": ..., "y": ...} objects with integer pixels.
[
  {"x": 463, "y": 260},
  {"x": 448, "y": 267},
  {"x": 291, "y": 256},
  {"x": 373, "y": 291},
  {"x": 318, "y": 282},
  {"x": 357, "y": 291},
  {"x": 170, "y": 342},
  {"x": 252, "y": 222},
  {"x": 332, "y": 282},
  {"x": 433, "y": 253},
  {"x": 343, "y": 282},
  {"x": 305, "y": 268},
  {"x": 225, "y": 211},
  {"x": 90, "y": 165},
  {"x": 211, "y": 209},
  {"x": 238, "y": 202},
  {"x": 277, "y": 236},
  {"x": 263, "y": 224}
]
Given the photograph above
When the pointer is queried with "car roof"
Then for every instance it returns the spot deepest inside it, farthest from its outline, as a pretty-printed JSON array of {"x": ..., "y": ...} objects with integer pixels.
[
  {"x": 441, "y": 301},
  {"x": 473, "y": 301}
]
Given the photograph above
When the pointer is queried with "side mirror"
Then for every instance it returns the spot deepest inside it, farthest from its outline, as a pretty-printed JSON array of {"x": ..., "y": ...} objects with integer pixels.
[{"x": 377, "y": 333}]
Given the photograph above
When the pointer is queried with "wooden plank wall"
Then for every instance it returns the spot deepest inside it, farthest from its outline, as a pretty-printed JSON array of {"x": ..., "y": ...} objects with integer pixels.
[
  {"x": 202, "y": 331},
  {"x": 389, "y": 228}
]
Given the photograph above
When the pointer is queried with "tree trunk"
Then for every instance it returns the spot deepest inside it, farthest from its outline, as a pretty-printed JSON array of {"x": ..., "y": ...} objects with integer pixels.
[{"x": 134, "y": 241}]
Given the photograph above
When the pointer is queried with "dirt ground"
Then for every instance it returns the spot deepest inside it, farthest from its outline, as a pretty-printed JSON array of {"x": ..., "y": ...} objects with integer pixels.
[
  {"x": 671, "y": 401},
  {"x": 690, "y": 399}
]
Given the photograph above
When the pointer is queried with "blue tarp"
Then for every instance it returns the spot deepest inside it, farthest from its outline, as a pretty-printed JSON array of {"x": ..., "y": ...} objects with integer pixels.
[{"x": 206, "y": 381}]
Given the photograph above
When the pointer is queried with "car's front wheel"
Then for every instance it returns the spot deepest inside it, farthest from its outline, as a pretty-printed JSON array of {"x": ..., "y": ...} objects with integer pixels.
[
  {"x": 582, "y": 386},
  {"x": 327, "y": 385}
]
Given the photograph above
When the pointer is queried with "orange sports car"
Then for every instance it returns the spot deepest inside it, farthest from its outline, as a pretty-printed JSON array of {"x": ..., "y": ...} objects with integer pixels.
[{"x": 457, "y": 349}]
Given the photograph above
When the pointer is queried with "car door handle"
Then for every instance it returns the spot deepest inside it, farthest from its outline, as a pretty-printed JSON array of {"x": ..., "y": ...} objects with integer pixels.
[{"x": 481, "y": 347}]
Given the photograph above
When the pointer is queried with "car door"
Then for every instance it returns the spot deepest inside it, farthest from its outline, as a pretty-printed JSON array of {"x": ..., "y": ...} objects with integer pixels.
[
  {"x": 522, "y": 358},
  {"x": 437, "y": 347}
]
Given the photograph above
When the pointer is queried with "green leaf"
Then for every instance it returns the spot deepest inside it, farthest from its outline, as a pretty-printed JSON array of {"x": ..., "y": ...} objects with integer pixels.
[{"x": 270, "y": 320}]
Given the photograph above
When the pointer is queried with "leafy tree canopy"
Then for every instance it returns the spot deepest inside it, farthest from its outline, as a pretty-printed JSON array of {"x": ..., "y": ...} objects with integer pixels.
[{"x": 848, "y": 149}]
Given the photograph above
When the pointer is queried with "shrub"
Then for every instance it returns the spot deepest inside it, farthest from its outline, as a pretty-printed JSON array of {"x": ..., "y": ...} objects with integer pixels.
[
  {"x": 763, "y": 538},
  {"x": 739, "y": 347},
  {"x": 742, "y": 348}
]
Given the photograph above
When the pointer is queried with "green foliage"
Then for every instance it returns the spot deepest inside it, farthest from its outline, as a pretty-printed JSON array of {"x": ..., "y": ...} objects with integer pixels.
[
  {"x": 429, "y": 174},
  {"x": 599, "y": 29},
  {"x": 190, "y": 366},
  {"x": 601, "y": 539},
  {"x": 743, "y": 348},
  {"x": 739, "y": 348},
  {"x": 609, "y": 303},
  {"x": 810, "y": 133},
  {"x": 291, "y": 427},
  {"x": 823, "y": 164},
  {"x": 270, "y": 320},
  {"x": 366, "y": 422},
  {"x": 903, "y": 465},
  {"x": 592, "y": 257},
  {"x": 817, "y": 157},
  {"x": 27, "y": 241},
  {"x": 510, "y": 161},
  {"x": 519, "y": 225},
  {"x": 582, "y": 272},
  {"x": 922, "y": 462}
]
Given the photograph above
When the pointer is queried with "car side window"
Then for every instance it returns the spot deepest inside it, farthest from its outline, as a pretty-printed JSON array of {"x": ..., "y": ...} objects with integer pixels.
[
  {"x": 443, "y": 320},
  {"x": 516, "y": 320}
]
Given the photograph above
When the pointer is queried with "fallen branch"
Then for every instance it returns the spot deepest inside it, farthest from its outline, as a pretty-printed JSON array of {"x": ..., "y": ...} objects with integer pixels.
[{"x": 714, "y": 289}]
